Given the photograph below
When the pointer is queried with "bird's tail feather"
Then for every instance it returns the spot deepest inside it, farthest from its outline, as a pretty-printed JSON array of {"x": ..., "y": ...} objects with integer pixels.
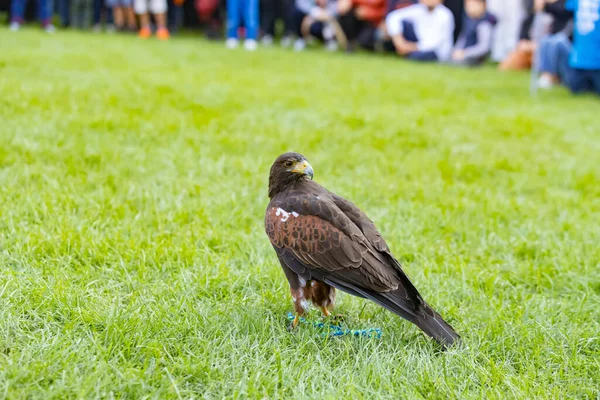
[
  {"x": 425, "y": 317},
  {"x": 437, "y": 328}
]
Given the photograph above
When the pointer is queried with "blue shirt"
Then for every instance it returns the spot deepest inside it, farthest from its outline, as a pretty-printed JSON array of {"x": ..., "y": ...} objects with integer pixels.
[{"x": 586, "y": 42}]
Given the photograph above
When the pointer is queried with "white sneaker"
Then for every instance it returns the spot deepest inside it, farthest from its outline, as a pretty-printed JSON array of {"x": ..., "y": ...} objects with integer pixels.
[
  {"x": 250, "y": 44},
  {"x": 286, "y": 41},
  {"x": 545, "y": 82},
  {"x": 111, "y": 28},
  {"x": 97, "y": 28},
  {"x": 232, "y": 43},
  {"x": 299, "y": 45},
  {"x": 49, "y": 28},
  {"x": 267, "y": 40},
  {"x": 15, "y": 26},
  {"x": 331, "y": 45}
]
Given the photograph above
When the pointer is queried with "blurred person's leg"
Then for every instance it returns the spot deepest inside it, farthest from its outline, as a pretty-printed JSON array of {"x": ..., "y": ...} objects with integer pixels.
[
  {"x": 287, "y": 10},
  {"x": 234, "y": 15},
  {"x": 97, "y": 14},
  {"x": 297, "y": 18},
  {"x": 141, "y": 9},
  {"x": 233, "y": 20},
  {"x": 350, "y": 24},
  {"x": 87, "y": 10},
  {"x": 549, "y": 58},
  {"x": 17, "y": 12},
  {"x": 423, "y": 56},
  {"x": 301, "y": 23},
  {"x": 45, "y": 14},
  {"x": 267, "y": 18},
  {"x": 130, "y": 18},
  {"x": 251, "y": 20},
  {"x": 209, "y": 12},
  {"x": 77, "y": 13},
  {"x": 65, "y": 11},
  {"x": 119, "y": 17},
  {"x": 159, "y": 10},
  {"x": 576, "y": 80},
  {"x": 367, "y": 38}
]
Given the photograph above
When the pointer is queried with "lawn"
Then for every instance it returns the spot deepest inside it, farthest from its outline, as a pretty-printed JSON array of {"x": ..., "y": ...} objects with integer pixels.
[{"x": 134, "y": 264}]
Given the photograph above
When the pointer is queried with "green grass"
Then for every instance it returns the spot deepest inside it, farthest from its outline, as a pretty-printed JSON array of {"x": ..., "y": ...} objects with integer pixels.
[{"x": 133, "y": 181}]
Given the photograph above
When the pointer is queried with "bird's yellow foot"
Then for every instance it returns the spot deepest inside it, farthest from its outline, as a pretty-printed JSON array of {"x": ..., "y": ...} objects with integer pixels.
[
  {"x": 294, "y": 323},
  {"x": 325, "y": 312}
]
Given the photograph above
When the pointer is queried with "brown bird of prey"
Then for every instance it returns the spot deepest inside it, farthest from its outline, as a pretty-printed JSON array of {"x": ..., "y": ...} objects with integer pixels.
[{"x": 324, "y": 242}]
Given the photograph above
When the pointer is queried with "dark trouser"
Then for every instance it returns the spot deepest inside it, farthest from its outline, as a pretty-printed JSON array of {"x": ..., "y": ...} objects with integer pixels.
[
  {"x": 316, "y": 30},
  {"x": 351, "y": 25},
  {"x": 100, "y": 9},
  {"x": 458, "y": 9},
  {"x": 81, "y": 13},
  {"x": 174, "y": 16},
  {"x": 408, "y": 31},
  {"x": 64, "y": 7},
  {"x": 297, "y": 18},
  {"x": 271, "y": 10},
  {"x": 209, "y": 12},
  {"x": 358, "y": 30},
  {"x": 44, "y": 9},
  {"x": 554, "y": 59}
]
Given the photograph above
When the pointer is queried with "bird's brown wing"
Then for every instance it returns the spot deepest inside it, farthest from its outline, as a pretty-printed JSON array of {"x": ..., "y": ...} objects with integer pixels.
[
  {"x": 314, "y": 237},
  {"x": 362, "y": 222}
]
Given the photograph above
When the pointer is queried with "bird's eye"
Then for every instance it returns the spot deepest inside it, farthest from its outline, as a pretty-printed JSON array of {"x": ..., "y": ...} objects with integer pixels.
[{"x": 289, "y": 163}]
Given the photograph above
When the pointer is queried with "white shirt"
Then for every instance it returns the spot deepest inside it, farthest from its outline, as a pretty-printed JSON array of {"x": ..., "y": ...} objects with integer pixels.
[{"x": 434, "y": 29}]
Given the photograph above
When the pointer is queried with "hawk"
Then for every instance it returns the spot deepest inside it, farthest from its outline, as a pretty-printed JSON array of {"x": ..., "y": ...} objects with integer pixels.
[{"x": 324, "y": 242}]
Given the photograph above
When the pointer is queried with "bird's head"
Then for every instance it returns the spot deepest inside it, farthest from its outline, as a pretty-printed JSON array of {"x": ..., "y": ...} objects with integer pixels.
[{"x": 287, "y": 170}]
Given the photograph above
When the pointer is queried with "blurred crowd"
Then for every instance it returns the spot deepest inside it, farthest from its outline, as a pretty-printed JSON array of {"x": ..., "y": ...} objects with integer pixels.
[{"x": 559, "y": 39}]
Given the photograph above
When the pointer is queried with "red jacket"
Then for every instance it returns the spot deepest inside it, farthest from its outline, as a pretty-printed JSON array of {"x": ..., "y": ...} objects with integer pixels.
[{"x": 371, "y": 10}]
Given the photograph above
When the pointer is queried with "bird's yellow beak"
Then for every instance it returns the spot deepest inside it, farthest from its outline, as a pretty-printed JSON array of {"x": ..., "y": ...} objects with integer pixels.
[{"x": 304, "y": 168}]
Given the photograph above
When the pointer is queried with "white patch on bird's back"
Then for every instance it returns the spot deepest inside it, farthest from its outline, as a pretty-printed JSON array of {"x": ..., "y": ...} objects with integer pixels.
[{"x": 286, "y": 215}]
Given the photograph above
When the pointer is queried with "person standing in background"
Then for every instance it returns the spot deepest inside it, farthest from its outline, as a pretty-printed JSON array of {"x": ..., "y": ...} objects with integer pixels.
[
  {"x": 158, "y": 8},
  {"x": 81, "y": 13},
  {"x": 101, "y": 11},
  {"x": 209, "y": 13},
  {"x": 64, "y": 10},
  {"x": 270, "y": 12},
  {"x": 245, "y": 11},
  {"x": 44, "y": 9},
  {"x": 123, "y": 15}
]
